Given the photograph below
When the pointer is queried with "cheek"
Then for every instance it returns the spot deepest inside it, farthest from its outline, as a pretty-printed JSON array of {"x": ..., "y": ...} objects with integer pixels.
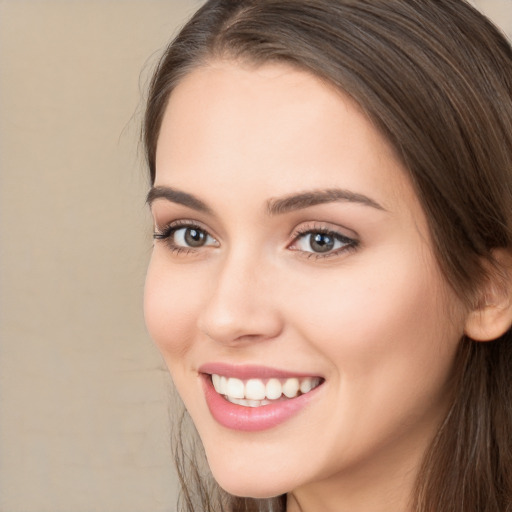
[
  {"x": 171, "y": 301},
  {"x": 381, "y": 325},
  {"x": 389, "y": 341}
]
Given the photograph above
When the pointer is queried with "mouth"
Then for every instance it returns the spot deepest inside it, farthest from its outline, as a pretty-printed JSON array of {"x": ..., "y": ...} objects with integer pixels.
[
  {"x": 256, "y": 398},
  {"x": 262, "y": 392}
]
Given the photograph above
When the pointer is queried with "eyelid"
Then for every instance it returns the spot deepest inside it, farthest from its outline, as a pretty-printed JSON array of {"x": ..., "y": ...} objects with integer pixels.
[
  {"x": 165, "y": 235},
  {"x": 181, "y": 223},
  {"x": 308, "y": 226},
  {"x": 351, "y": 242}
]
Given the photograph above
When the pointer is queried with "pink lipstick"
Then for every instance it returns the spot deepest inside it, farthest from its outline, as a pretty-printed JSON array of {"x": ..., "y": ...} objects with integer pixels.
[{"x": 253, "y": 398}]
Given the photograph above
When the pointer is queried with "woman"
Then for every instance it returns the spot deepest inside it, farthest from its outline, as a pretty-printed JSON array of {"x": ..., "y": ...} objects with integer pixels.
[{"x": 330, "y": 283}]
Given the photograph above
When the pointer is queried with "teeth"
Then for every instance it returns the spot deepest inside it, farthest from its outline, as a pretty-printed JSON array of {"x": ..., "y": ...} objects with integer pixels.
[
  {"x": 256, "y": 392},
  {"x": 306, "y": 385},
  {"x": 255, "y": 389},
  {"x": 216, "y": 382},
  {"x": 247, "y": 403},
  {"x": 223, "y": 384},
  {"x": 290, "y": 388},
  {"x": 235, "y": 388},
  {"x": 273, "y": 389}
]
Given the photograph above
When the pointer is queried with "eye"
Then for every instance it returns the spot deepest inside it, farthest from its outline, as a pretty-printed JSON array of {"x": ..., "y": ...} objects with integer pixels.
[
  {"x": 322, "y": 242},
  {"x": 188, "y": 236},
  {"x": 191, "y": 237}
]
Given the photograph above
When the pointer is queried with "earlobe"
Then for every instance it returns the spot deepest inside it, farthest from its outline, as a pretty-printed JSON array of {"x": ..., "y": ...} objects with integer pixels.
[{"x": 492, "y": 315}]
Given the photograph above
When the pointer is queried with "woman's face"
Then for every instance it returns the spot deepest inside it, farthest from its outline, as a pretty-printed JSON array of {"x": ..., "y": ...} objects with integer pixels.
[{"x": 291, "y": 252}]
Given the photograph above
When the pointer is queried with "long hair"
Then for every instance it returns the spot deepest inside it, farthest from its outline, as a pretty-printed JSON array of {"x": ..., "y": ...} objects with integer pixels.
[{"x": 435, "y": 76}]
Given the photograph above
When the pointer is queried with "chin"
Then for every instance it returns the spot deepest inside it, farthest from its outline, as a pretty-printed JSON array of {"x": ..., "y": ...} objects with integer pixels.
[{"x": 241, "y": 481}]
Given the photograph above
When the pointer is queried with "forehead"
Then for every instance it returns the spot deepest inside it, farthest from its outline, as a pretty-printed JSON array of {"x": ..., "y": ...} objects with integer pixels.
[{"x": 269, "y": 127}]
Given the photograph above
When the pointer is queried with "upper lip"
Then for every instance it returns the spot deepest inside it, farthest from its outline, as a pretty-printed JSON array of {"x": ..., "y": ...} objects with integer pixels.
[{"x": 244, "y": 372}]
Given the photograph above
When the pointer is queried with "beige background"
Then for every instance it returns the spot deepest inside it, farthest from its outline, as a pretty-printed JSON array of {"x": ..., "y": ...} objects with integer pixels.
[{"x": 83, "y": 393}]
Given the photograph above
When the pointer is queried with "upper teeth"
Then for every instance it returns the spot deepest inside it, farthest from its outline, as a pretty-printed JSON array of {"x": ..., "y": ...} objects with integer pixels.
[{"x": 258, "y": 389}]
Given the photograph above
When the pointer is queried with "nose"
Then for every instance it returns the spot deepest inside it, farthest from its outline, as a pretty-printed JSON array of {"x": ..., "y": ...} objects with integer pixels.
[{"x": 242, "y": 305}]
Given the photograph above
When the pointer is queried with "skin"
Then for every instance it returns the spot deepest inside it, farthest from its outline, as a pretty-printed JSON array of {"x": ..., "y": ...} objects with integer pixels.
[{"x": 377, "y": 321}]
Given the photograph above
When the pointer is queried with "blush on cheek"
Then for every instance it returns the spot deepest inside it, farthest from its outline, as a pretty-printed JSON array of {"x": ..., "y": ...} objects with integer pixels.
[{"x": 168, "y": 317}]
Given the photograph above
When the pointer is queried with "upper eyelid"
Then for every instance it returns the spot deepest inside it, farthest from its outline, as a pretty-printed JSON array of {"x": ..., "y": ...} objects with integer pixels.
[
  {"x": 306, "y": 231},
  {"x": 182, "y": 223},
  {"x": 348, "y": 240},
  {"x": 324, "y": 227}
]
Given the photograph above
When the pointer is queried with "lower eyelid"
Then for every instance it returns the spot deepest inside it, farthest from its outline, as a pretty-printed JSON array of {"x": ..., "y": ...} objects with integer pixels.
[{"x": 340, "y": 252}]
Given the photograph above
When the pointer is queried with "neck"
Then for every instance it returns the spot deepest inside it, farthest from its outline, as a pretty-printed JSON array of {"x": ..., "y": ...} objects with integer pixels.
[{"x": 384, "y": 484}]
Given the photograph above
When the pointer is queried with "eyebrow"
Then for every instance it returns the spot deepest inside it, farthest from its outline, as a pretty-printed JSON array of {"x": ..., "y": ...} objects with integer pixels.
[
  {"x": 315, "y": 197},
  {"x": 274, "y": 206},
  {"x": 178, "y": 197}
]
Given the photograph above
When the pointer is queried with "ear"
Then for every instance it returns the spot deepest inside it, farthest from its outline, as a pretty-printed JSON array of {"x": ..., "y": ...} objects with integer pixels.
[{"x": 492, "y": 315}]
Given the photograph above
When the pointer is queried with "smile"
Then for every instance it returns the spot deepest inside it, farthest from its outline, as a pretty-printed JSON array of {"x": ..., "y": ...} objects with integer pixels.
[
  {"x": 256, "y": 398},
  {"x": 262, "y": 392}
]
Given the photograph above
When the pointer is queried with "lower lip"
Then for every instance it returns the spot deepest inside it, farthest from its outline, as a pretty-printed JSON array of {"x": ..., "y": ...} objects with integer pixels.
[{"x": 252, "y": 419}]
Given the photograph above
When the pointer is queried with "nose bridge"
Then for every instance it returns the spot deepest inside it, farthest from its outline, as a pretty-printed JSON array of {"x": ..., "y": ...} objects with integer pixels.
[{"x": 240, "y": 305}]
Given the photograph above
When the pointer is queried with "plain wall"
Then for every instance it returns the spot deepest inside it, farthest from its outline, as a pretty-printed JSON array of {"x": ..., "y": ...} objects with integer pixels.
[
  {"x": 83, "y": 391},
  {"x": 84, "y": 395}
]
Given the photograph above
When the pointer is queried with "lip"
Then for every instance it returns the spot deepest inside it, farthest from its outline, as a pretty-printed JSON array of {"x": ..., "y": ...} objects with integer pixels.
[
  {"x": 245, "y": 372},
  {"x": 251, "y": 419}
]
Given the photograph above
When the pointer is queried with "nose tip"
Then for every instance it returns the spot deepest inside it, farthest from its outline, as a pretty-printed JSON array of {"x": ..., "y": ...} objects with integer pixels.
[
  {"x": 235, "y": 322},
  {"x": 236, "y": 330},
  {"x": 240, "y": 309}
]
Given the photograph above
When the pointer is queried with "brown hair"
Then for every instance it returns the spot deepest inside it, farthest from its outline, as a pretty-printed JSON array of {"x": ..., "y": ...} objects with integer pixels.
[{"x": 436, "y": 77}]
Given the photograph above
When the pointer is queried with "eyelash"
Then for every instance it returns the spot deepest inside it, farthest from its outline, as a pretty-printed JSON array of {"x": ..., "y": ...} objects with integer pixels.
[
  {"x": 166, "y": 235},
  {"x": 349, "y": 244}
]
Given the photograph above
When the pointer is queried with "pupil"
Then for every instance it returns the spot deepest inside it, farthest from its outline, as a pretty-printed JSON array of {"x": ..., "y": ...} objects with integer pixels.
[
  {"x": 322, "y": 242},
  {"x": 195, "y": 237}
]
